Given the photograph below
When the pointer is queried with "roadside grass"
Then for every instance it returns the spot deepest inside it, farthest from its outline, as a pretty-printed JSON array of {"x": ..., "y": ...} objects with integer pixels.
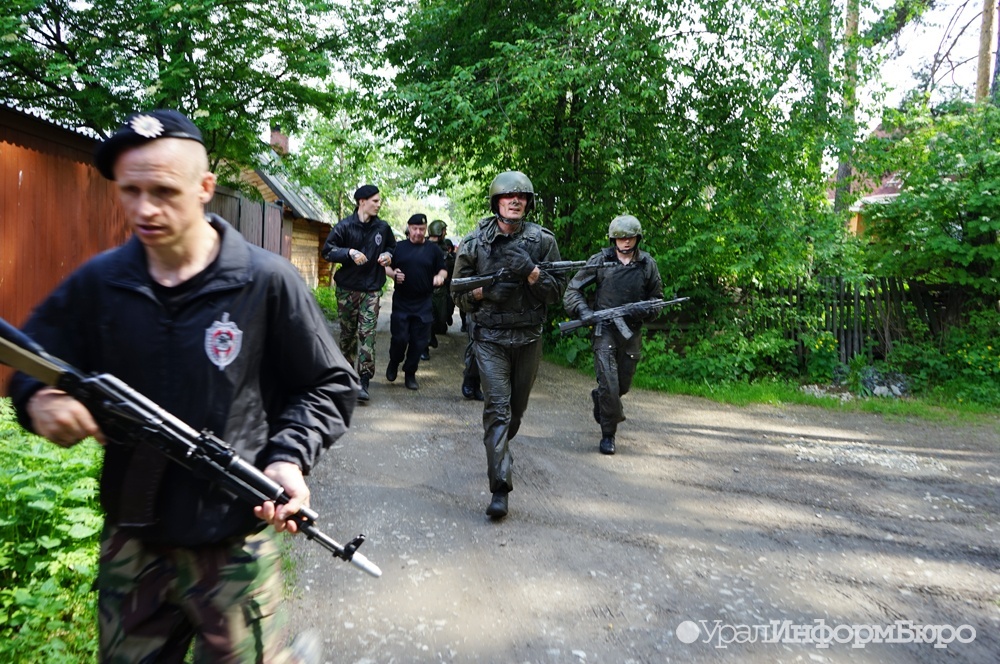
[
  {"x": 936, "y": 407},
  {"x": 50, "y": 524}
]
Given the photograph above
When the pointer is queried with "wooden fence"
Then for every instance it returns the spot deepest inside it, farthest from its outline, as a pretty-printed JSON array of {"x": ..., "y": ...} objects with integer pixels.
[
  {"x": 259, "y": 222},
  {"x": 864, "y": 318}
]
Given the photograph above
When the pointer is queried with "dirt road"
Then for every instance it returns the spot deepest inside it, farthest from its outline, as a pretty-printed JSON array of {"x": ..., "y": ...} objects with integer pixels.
[{"x": 716, "y": 533}]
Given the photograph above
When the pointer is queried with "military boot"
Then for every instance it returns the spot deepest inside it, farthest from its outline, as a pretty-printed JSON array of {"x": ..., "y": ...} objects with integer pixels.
[
  {"x": 498, "y": 507},
  {"x": 608, "y": 445},
  {"x": 363, "y": 390}
]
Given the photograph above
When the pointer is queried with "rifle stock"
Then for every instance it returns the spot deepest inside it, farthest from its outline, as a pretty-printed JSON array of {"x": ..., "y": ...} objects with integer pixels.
[{"x": 125, "y": 414}]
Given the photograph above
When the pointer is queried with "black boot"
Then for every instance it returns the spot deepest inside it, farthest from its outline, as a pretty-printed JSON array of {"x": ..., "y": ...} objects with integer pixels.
[
  {"x": 468, "y": 388},
  {"x": 391, "y": 371},
  {"x": 363, "y": 390},
  {"x": 497, "y": 508},
  {"x": 411, "y": 381},
  {"x": 608, "y": 445}
]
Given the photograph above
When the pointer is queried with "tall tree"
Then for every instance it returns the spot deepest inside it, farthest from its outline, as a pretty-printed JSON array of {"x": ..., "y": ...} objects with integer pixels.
[
  {"x": 698, "y": 117},
  {"x": 235, "y": 67}
]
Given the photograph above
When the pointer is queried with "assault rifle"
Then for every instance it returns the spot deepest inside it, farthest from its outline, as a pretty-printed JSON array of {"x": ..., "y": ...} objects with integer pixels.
[
  {"x": 123, "y": 413},
  {"x": 617, "y": 314},
  {"x": 463, "y": 284}
]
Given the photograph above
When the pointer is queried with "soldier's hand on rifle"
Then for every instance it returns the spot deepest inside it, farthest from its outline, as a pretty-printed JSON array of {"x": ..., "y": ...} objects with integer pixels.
[
  {"x": 61, "y": 418},
  {"x": 586, "y": 315},
  {"x": 289, "y": 476},
  {"x": 499, "y": 292},
  {"x": 519, "y": 262},
  {"x": 639, "y": 310}
]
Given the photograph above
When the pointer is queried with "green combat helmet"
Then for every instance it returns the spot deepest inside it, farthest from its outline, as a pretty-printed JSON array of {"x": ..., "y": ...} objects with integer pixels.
[
  {"x": 624, "y": 226},
  {"x": 437, "y": 228},
  {"x": 511, "y": 182}
]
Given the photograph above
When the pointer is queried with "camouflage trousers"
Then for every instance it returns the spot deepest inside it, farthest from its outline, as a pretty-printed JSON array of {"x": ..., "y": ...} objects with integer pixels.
[
  {"x": 357, "y": 312},
  {"x": 154, "y": 601}
]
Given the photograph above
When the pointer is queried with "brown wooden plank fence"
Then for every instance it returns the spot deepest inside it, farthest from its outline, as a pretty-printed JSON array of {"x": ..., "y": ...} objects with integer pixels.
[{"x": 865, "y": 318}]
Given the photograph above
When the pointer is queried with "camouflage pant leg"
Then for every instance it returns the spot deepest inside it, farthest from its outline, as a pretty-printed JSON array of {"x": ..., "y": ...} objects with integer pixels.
[
  {"x": 153, "y": 602},
  {"x": 367, "y": 321},
  {"x": 348, "y": 305}
]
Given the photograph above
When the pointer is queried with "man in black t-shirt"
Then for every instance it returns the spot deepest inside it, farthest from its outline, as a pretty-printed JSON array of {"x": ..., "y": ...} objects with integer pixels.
[{"x": 417, "y": 268}]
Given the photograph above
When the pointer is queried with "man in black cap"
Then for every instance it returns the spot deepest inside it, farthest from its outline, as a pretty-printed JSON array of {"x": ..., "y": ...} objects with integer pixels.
[
  {"x": 227, "y": 337},
  {"x": 363, "y": 245},
  {"x": 418, "y": 267}
]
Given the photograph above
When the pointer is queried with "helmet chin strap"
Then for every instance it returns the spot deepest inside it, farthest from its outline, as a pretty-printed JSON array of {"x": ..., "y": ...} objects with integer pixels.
[{"x": 628, "y": 251}]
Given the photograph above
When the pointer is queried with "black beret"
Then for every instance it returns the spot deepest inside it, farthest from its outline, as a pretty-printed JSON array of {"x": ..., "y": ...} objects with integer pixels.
[
  {"x": 365, "y": 191},
  {"x": 142, "y": 128},
  {"x": 417, "y": 220}
]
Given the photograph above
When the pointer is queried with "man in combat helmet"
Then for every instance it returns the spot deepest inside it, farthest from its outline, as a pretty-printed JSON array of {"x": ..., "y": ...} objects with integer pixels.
[
  {"x": 442, "y": 304},
  {"x": 633, "y": 278},
  {"x": 507, "y": 318}
]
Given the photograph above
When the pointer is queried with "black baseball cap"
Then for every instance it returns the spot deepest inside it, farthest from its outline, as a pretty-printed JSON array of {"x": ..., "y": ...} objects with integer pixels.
[{"x": 142, "y": 128}]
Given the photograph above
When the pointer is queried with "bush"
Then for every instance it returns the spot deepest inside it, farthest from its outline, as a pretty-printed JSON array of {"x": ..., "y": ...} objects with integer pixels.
[
  {"x": 326, "y": 298},
  {"x": 50, "y": 525},
  {"x": 822, "y": 356}
]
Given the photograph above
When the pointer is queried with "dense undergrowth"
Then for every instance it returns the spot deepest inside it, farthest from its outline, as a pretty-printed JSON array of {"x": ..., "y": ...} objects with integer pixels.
[{"x": 49, "y": 528}]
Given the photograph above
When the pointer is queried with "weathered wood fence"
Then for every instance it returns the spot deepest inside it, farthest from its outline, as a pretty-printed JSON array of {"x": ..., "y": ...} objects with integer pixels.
[{"x": 864, "y": 318}]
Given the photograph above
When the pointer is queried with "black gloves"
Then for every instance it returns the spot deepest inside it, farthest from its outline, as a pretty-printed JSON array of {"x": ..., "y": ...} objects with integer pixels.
[
  {"x": 518, "y": 261},
  {"x": 499, "y": 292},
  {"x": 585, "y": 314},
  {"x": 638, "y": 310}
]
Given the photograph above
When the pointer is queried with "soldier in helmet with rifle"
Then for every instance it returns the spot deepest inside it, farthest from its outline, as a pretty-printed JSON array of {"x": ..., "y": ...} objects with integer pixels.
[
  {"x": 507, "y": 317},
  {"x": 441, "y": 302},
  {"x": 634, "y": 280}
]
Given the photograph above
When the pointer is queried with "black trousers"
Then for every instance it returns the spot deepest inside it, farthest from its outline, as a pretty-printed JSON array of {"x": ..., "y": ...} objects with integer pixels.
[
  {"x": 410, "y": 337},
  {"x": 507, "y": 374},
  {"x": 615, "y": 361}
]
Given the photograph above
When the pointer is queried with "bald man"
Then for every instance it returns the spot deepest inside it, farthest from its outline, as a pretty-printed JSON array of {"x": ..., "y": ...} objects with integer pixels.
[{"x": 225, "y": 336}]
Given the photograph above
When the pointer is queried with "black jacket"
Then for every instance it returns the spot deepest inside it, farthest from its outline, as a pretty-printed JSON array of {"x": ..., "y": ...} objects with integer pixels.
[
  {"x": 372, "y": 238},
  {"x": 622, "y": 284},
  {"x": 245, "y": 354}
]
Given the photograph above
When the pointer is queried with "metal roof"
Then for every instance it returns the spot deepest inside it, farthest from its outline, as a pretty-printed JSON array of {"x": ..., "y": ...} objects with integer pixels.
[{"x": 302, "y": 201}]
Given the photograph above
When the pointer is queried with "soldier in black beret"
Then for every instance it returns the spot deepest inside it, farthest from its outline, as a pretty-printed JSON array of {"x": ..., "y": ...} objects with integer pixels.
[
  {"x": 225, "y": 336},
  {"x": 363, "y": 246}
]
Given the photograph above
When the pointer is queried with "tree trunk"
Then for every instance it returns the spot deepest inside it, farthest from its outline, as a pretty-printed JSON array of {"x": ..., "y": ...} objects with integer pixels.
[
  {"x": 844, "y": 169},
  {"x": 985, "y": 43}
]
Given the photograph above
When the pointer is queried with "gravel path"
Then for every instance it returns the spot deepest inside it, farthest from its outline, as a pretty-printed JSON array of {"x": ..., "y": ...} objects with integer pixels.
[{"x": 717, "y": 533}]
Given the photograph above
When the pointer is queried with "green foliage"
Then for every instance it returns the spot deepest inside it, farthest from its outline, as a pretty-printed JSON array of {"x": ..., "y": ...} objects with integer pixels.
[
  {"x": 964, "y": 365},
  {"x": 691, "y": 117},
  {"x": 943, "y": 227},
  {"x": 234, "y": 67},
  {"x": 49, "y": 528},
  {"x": 822, "y": 356},
  {"x": 326, "y": 298}
]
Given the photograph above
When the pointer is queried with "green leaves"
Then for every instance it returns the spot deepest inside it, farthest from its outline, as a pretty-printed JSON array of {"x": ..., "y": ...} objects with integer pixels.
[
  {"x": 235, "y": 67},
  {"x": 942, "y": 228},
  {"x": 49, "y": 528}
]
